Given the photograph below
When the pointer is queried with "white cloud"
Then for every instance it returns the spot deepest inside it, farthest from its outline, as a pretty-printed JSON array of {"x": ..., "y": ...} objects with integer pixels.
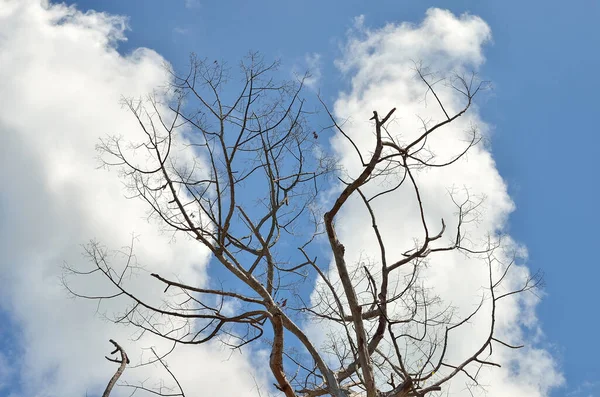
[
  {"x": 61, "y": 81},
  {"x": 380, "y": 64},
  {"x": 313, "y": 63},
  {"x": 193, "y": 4},
  {"x": 182, "y": 31},
  {"x": 586, "y": 388},
  {"x": 309, "y": 68}
]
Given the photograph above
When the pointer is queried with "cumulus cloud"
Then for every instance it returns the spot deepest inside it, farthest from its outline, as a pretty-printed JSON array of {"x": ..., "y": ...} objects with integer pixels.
[
  {"x": 380, "y": 64},
  {"x": 61, "y": 82}
]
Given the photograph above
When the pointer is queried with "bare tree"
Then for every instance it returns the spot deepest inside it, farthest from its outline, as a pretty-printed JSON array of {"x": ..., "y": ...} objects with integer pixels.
[
  {"x": 250, "y": 192},
  {"x": 122, "y": 364}
]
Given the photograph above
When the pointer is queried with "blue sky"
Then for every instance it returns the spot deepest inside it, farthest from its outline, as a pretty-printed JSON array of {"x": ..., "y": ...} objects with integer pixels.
[{"x": 542, "y": 61}]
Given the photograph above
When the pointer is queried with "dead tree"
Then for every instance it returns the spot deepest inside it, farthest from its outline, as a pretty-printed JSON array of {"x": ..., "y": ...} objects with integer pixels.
[
  {"x": 251, "y": 192},
  {"x": 122, "y": 364}
]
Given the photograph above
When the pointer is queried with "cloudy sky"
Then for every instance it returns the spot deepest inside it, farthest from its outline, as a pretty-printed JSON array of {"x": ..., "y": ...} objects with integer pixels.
[{"x": 64, "y": 68}]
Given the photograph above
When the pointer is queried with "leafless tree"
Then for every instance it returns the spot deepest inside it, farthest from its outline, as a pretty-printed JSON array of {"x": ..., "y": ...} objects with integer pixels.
[
  {"x": 122, "y": 364},
  {"x": 250, "y": 193}
]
